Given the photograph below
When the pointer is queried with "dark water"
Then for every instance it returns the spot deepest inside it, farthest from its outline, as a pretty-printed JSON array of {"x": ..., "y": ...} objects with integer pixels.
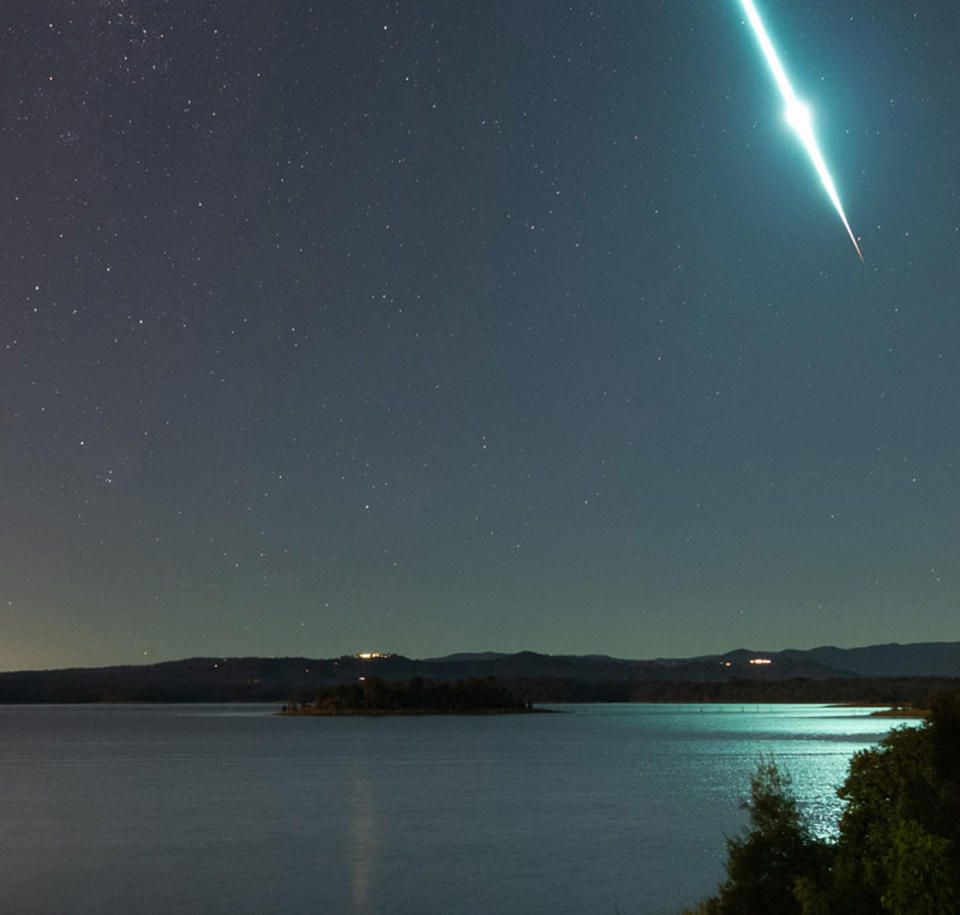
[{"x": 611, "y": 808}]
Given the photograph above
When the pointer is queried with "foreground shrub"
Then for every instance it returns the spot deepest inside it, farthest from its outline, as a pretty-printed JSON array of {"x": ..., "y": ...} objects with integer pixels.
[{"x": 898, "y": 848}]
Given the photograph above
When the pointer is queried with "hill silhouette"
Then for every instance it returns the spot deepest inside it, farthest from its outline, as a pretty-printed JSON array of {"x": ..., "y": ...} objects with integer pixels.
[{"x": 827, "y": 673}]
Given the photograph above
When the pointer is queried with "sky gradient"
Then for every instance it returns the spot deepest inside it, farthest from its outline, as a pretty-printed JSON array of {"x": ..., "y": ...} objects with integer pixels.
[{"x": 431, "y": 327}]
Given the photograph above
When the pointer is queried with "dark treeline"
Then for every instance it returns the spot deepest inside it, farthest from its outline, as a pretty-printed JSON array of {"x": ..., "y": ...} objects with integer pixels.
[
  {"x": 912, "y": 691},
  {"x": 277, "y": 679},
  {"x": 191, "y": 680},
  {"x": 866, "y": 690},
  {"x": 374, "y": 696},
  {"x": 898, "y": 846}
]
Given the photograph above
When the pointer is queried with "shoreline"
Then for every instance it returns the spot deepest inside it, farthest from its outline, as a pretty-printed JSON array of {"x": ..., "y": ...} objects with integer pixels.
[
  {"x": 883, "y": 710},
  {"x": 308, "y": 712}
]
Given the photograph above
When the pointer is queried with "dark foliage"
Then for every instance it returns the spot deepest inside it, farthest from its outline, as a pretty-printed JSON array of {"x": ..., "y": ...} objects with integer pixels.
[
  {"x": 536, "y": 678},
  {"x": 898, "y": 849},
  {"x": 764, "y": 864},
  {"x": 861, "y": 690},
  {"x": 414, "y": 696}
]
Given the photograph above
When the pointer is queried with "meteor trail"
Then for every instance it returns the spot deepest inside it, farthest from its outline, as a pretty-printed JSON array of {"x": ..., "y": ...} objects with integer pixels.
[{"x": 798, "y": 115}]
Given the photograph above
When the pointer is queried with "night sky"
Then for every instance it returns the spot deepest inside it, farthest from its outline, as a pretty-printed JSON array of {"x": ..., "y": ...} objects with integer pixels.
[{"x": 444, "y": 326}]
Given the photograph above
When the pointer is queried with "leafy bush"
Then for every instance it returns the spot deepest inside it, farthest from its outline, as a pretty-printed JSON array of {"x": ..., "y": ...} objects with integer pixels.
[{"x": 898, "y": 849}]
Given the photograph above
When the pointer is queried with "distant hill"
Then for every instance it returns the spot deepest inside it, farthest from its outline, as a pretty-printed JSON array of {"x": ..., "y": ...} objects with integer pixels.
[
  {"x": 574, "y": 677},
  {"x": 930, "y": 659}
]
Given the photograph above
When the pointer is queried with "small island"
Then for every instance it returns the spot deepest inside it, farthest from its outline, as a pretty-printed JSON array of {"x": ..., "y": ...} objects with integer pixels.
[{"x": 373, "y": 696}]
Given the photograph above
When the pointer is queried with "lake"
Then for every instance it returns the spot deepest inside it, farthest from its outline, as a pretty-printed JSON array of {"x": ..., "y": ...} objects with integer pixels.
[{"x": 618, "y": 808}]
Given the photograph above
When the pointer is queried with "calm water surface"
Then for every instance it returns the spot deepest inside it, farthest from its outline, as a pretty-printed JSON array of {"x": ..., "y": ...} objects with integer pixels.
[{"x": 607, "y": 809}]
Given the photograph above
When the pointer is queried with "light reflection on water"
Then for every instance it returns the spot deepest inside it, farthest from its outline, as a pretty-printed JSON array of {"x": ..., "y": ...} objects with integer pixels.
[
  {"x": 227, "y": 808},
  {"x": 363, "y": 830}
]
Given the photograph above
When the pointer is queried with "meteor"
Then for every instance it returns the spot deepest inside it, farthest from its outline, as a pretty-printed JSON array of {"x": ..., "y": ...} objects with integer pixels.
[{"x": 798, "y": 116}]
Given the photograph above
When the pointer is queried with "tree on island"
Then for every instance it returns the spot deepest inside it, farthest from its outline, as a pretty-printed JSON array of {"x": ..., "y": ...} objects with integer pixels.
[
  {"x": 415, "y": 696},
  {"x": 898, "y": 848}
]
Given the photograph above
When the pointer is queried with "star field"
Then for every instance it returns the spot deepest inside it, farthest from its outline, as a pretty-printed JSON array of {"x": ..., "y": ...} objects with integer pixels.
[{"x": 429, "y": 327}]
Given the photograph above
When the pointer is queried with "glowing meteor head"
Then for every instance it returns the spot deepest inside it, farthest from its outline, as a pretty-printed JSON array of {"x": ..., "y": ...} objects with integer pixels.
[{"x": 799, "y": 116}]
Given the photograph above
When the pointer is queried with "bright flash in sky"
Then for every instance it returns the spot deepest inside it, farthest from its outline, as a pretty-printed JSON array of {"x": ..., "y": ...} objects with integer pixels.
[{"x": 798, "y": 115}]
